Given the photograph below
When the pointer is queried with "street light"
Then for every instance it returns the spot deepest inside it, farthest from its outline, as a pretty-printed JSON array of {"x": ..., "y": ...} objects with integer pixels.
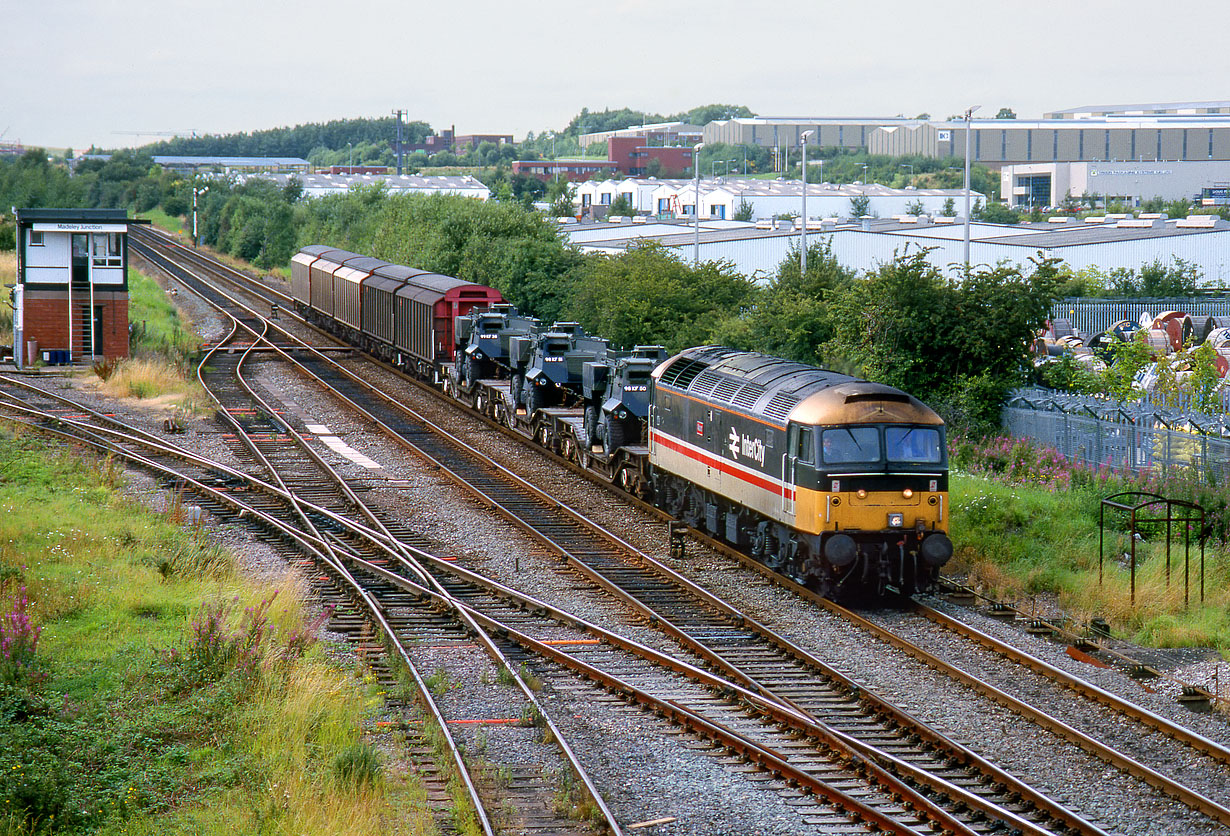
[
  {"x": 968, "y": 113},
  {"x": 864, "y": 175},
  {"x": 696, "y": 204},
  {"x": 350, "y": 148},
  {"x": 196, "y": 191},
  {"x": 554, "y": 162},
  {"x": 911, "y": 168},
  {"x": 803, "y": 230}
]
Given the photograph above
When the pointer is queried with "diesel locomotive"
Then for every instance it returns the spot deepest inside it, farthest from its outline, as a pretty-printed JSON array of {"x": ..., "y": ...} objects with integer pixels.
[{"x": 836, "y": 482}]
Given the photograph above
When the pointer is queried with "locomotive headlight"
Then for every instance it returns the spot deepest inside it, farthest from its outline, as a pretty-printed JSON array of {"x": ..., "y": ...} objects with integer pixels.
[
  {"x": 896, "y": 520},
  {"x": 862, "y": 493},
  {"x": 907, "y": 493}
]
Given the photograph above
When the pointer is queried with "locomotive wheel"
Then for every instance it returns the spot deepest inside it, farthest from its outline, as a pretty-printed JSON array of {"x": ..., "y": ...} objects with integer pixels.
[{"x": 568, "y": 448}]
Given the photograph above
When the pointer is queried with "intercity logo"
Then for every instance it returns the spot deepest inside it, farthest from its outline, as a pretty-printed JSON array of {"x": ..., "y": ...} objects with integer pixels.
[{"x": 751, "y": 448}]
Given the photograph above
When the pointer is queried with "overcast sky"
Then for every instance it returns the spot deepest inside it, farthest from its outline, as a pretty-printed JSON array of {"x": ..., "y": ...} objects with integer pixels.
[{"x": 87, "y": 72}]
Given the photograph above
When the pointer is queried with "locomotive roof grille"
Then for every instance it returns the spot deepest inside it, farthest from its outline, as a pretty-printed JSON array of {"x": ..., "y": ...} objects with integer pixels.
[
  {"x": 683, "y": 372},
  {"x": 705, "y": 384},
  {"x": 779, "y": 406},
  {"x": 725, "y": 390},
  {"x": 748, "y": 395}
]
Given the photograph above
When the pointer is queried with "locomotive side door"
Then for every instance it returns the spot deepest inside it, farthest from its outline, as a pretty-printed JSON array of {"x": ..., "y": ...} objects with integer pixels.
[
  {"x": 790, "y": 462},
  {"x": 800, "y": 448}
]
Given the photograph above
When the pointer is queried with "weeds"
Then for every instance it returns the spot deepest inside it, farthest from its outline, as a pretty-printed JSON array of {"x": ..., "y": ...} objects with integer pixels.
[
  {"x": 357, "y": 766},
  {"x": 572, "y": 801},
  {"x": 152, "y": 378},
  {"x": 18, "y": 636},
  {"x": 438, "y": 683},
  {"x": 531, "y": 681}
]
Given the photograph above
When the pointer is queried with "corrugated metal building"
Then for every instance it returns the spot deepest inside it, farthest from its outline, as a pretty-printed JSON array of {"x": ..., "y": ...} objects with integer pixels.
[{"x": 757, "y": 252}]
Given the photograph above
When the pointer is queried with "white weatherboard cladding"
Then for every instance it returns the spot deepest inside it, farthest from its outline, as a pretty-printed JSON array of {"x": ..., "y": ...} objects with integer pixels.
[{"x": 55, "y": 252}]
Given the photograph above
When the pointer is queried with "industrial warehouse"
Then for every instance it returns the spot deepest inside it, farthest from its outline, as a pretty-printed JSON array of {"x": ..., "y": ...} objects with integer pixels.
[{"x": 1106, "y": 242}]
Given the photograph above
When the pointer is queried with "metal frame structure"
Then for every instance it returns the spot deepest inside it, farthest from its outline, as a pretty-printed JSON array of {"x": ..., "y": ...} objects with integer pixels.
[{"x": 1136, "y": 502}]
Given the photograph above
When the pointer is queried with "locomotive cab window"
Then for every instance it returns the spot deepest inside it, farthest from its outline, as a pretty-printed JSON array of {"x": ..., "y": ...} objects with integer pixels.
[
  {"x": 913, "y": 445},
  {"x": 801, "y": 443},
  {"x": 851, "y": 444}
]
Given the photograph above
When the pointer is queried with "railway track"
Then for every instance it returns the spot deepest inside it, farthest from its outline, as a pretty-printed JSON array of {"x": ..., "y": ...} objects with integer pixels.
[
  {"x": 632, "y": 676},
  {"x": 559, "y": 534},
  {"x": 715, "y": 633}
]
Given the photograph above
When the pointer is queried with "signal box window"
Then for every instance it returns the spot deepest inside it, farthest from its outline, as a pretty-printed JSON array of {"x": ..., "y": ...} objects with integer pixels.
[
  {"x": 36, "y": 239},
  {"x": 914, "y": 445},
  {"x": 851, "y": 444}
]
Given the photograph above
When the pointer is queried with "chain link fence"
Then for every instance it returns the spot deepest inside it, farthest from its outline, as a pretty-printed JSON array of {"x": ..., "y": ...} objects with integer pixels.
[{"x": 1131, "y": 437}]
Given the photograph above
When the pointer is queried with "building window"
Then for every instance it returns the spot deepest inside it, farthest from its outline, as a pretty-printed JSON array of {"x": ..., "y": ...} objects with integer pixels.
[
  {"x": 605, "y": 199},
  {"x": 36, "y": 239},
  {"x": 106, "y": 249}
]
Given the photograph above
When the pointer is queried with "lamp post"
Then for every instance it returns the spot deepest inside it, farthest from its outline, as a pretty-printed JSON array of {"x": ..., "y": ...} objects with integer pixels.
[
  {"x": 696, "y": 204},
  {"x": 911, "y": 168},
  {"x": 196, "y": 191},
  {"x": 554, "y": 163},
  {"x": 350, "y": 148},
  {"x": 968, "y": 113},
  {"x": 864, "y": 177},
  {"x": 803, "y": 229}
]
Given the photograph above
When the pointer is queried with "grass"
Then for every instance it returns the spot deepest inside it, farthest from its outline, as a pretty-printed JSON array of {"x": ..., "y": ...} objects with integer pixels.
[
  {"x": 164, "y": 694},
  {"x": 157, "y": 328},
  {"x": 1026, "y": 541},
  {"x": 161, "y": 369},
  {"x": 171, "y": 223},
  {"x": 157, "y": 381},
  {"x": 8, "y": 275}
]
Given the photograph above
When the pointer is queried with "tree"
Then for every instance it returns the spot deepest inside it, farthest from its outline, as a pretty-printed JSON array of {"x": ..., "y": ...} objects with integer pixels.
[
  {"x": 859, "y": 206},
  {"x": 1005, "y": 113},
  {"x": 915, "y": 208},
  {"x": 745, "y": 212},
  {"x": 950, "y": 208},
  {"x": 791, "y": 317},
  {"x": 621, "y": 206},
  {"x": 561, "y": 194},
  {"x": 998, "y": 213},
  {"x": 1127, "y": 359},
  {"x": 1156, "y": 280},
  {"x": 958, "y": 344},
  {"x": 647, "y": 295}
]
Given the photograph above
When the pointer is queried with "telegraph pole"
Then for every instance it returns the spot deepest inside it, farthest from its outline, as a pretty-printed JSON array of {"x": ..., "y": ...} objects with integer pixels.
[{"x": 398, "y": 114}]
